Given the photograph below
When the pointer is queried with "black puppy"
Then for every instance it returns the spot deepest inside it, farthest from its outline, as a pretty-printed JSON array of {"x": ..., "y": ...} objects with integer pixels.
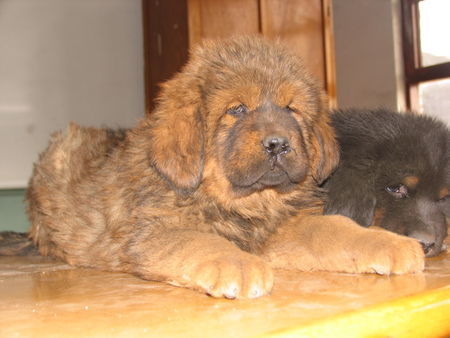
[{"x": 394, "y": 173}]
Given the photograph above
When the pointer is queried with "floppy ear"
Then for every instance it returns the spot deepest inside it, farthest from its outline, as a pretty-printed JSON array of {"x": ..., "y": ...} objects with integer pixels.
[
  {"x": 351, "y": 193},
  {"x": 324, "y": 153},
  {"x": 176, "y": 133}
]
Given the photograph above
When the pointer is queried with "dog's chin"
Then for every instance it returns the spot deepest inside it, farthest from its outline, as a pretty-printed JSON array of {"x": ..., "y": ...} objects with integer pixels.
[
  {"x": 276, "y": 179},
  {"x": 273, "y": 178}
]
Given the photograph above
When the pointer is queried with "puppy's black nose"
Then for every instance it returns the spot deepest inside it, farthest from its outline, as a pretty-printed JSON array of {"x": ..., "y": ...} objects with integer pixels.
[
  {"x": 276, "y": 145},
  {"x": 426, "y": 246},
  {"x": 427, "y": 239}
]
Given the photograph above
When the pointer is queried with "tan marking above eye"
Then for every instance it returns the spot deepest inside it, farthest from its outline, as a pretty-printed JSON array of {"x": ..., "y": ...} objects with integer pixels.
[
  {"x": 292, "y": 97},
  {"x": 225, "y": 99},
  {"x": 250, "y": 96},
  {"x": 443, "y": 193},
  {"x": 411, "y": 181},
  {"x": 285, "y": 95}
]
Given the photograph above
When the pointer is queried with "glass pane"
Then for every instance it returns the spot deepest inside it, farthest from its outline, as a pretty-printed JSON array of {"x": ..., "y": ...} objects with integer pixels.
[
  {"x": 434, "y": 31},
  {"x": 434, "y": 99}
]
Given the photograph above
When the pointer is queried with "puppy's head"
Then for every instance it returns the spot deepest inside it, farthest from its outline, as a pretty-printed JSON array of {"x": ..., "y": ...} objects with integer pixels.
[
  {"x": 415, "y": 211},
  {"x": 394, "y": 174},
  {"x": 245, "y": 115},
  {"x": 414, "y": 201}
]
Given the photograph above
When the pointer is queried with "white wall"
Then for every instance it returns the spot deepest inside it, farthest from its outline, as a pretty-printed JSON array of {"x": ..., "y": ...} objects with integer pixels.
[
  {"x": 369, "y": 69},
  {"x": 61, "y": 61}
]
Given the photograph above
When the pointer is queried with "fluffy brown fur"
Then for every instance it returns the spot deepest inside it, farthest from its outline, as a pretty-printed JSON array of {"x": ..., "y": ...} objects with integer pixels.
[{"x": 214, "y": 188}]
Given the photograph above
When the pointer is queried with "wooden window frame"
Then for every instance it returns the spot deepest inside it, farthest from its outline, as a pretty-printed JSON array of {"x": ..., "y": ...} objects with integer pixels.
[{"x": 414, "y": 72}]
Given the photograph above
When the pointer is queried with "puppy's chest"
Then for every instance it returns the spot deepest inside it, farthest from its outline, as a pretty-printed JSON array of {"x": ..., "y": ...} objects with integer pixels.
[{"x": 247, "y": 232}]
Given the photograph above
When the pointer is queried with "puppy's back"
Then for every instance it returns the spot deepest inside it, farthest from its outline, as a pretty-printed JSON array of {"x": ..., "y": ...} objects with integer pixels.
[
  {"x": 65, "y": 172},
  {"x": 367, "y": 130},
  {"x": 76, "y": 151}
]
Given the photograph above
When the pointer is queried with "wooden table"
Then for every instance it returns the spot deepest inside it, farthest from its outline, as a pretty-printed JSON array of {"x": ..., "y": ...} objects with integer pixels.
[{"x": 41, "y": 297}]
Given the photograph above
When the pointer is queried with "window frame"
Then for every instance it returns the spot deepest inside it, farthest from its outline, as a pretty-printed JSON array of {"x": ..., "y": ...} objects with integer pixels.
[{"x": 414, "y": 72}]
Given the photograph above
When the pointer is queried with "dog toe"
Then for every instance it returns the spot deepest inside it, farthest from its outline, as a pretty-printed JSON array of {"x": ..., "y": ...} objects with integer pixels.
[
  {"x": 388, "y": 253},
  {"x": 234, "y": 278}
]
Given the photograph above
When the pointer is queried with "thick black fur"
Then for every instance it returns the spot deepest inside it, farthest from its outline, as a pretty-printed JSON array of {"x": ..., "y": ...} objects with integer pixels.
[{"x": 394, "y": 173}]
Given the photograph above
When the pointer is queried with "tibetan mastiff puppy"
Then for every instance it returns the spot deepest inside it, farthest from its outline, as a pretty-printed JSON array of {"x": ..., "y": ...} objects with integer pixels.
[
  {"x": 394, "y": 173},
  {"x": 214, "y": 188}
]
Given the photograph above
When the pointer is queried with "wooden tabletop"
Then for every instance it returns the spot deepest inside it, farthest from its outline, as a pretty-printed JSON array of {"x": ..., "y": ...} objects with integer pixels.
[{"x": 42, "y": 297}]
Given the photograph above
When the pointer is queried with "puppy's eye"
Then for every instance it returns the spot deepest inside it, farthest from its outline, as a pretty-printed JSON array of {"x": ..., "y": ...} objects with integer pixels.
[
  {"x": 237, "y": 110},
  {"x": 398, "y": 191}
]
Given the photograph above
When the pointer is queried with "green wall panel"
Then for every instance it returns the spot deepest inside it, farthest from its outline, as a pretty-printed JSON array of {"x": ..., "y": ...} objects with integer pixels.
[{"x": 12, "y": 210}]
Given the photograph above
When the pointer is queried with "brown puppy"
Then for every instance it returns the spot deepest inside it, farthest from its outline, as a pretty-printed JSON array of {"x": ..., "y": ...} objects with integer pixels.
[{"x": 215, "y": 187}]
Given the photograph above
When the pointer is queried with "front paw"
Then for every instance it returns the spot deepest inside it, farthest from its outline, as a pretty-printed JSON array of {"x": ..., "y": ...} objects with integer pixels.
[
  {"x": 383, "y": 252},
  {"x": 231, "y": 276}
]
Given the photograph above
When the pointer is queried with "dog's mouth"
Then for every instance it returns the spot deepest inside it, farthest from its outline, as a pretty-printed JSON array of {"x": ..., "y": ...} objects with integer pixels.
[
  {"x": 282, "y": 171},
  {"x": 274, "y": 177}
]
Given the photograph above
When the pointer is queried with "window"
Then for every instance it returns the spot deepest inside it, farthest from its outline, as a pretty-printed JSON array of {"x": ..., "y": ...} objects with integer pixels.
[{"x": 426, "y": 46}]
